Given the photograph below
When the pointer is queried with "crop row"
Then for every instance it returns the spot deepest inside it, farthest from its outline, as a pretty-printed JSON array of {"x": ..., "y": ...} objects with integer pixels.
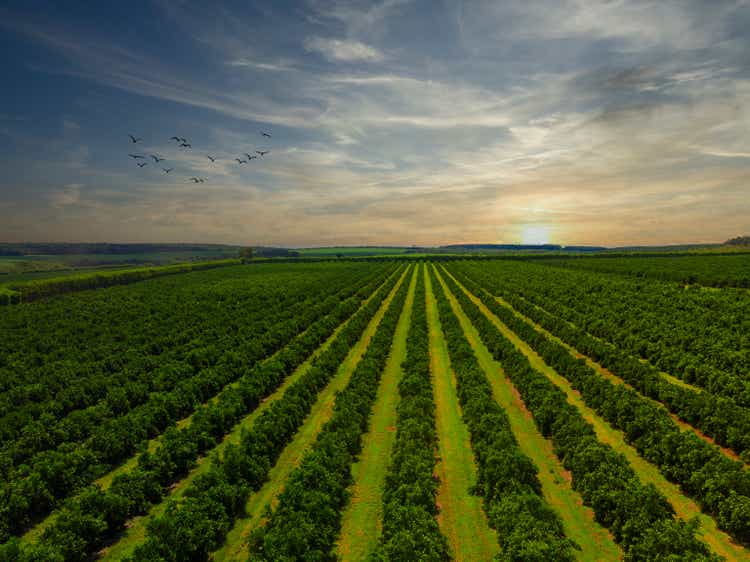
[
  {"x": 528, "y": 529},
  {"x": 307, "y": 520},
  {"x": 16, "y": 293},
  {"x": 96, "y": 515},
  {"x": 715, "y": 271},
  {"x": 150, "y": 329},
  {"x": 133, "y": 398},
  {"x": 410, "y": 530},
  {"x": 717, "y": 416},
  {"x": 721, "y": 485},
  {"x": 702, "y": 336},
  {"x": 639, "y": 517},
  {"x": 35, "y": 488}
]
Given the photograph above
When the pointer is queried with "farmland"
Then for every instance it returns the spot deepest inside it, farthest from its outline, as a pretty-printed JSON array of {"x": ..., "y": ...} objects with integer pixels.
[{"x": 426, "y": 408}]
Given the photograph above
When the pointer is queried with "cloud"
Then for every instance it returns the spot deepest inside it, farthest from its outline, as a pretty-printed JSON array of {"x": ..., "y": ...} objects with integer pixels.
[
  {"x": 609, "y": 122},
  {"x": 68, "y": 195},
  {"x": 345, "y": 50},
  {"x": 273, "y": 67}
]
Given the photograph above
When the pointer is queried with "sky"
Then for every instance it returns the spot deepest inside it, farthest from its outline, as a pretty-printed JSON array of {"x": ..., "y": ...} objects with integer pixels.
[{"x": 395, "y": 122}]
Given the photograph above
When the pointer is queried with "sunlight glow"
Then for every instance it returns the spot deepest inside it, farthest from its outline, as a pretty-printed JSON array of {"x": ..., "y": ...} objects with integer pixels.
[{"x": 536, "y": 234}]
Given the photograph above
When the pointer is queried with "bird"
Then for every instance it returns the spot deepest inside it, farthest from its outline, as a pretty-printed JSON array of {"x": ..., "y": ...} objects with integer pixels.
[
  {"x": 175, "y": 139},
  {"x": 201, "y": 180},
  {"x": 186, "y": 145},
  {"x": 195, "y": 180},
  {"x": 241, "y": 161},
  {"x": 141, "y": 164},
  {"x": 251, "y": 157},
  {"x": 182, "y": 139},
  {"x": 156, "y": 158},
  {"x": 262, "y": 152},
  {"x": 211, "y": 158},
  {"x": 265, "y": 134},
  {"x": 135, "y": 139},
  {"x": 136, "y": 156},
  {"x": 167, "y": 170}
]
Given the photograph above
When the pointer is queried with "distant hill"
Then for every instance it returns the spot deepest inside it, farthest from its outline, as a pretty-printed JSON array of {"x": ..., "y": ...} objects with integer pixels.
[
  {"x": 739, "y": 241},
  {"x": 519, "y": 247},
  {"x": 62, "y": 249}
]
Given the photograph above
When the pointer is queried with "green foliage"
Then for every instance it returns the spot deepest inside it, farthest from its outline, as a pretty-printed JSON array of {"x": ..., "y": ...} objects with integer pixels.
[
  {"x": 721, "y": 485},
  {"x": 410, "y": 530},
  {"x": 688, "y": 269},
  {"x": 51, "y": 475},
  {"x": 527, "y": 527},
  {"x": 307, "y": 520},
  {"x": 604, "y": 478},
  {"x": 41, "y": 288}
]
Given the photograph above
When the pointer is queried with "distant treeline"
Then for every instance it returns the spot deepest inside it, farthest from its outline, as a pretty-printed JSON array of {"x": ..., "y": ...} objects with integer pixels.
[
  {"x": 520, "y": 247},
  {"x": 27, "y": 249},
  {"x": 739, "y": 241},
  {"x": 14, "y": 293}
]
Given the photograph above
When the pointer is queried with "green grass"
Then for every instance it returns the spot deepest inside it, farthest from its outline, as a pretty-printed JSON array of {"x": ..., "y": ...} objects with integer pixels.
[
  {"x": 578, "y": 521},
  {"x": 136, "y": 529},
  {"x": 461, "y": 517},
  {"x": 609, "y": 375},
  {"x": 235, "y": 545},
  {"x": 685, "y": 508},
  {"x": 361, "y": 521}
]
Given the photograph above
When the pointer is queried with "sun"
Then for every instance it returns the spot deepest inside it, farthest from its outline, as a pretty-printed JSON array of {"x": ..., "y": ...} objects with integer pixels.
[{"x": 535, "y": 234}]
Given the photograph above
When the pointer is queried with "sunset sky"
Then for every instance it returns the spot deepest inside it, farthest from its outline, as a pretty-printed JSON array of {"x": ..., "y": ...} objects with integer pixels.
[{"x": 397, "y": 122}]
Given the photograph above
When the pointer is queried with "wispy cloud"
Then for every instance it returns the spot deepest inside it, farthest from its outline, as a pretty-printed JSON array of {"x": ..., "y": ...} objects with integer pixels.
[
  {"x": 273, "y": 67},
  {"x": 345, "y": 50},
  {"x": 605, "y": 122}
]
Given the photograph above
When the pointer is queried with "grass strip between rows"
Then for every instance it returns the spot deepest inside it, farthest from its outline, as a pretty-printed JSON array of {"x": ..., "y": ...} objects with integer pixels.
[
  {"x": 528, "y": 528},
  {"x": 461, "y": 518},
  {"x": 192, "y": 528},
  {"x": 33, "y": 492},
  {"x": 361, "y": 519},
  {"x": 719, "y": 417},
  {"x": 96, "y": 515},
  {"x": 721, "y": 485},
  {"x": 410, "y": 529},
  {"x": 639, "y": 517},
  {"x": 307, "y": 521}
]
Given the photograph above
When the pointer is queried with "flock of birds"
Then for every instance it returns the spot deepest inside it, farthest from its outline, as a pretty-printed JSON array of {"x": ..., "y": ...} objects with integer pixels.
[{"x": 183, "y": 143}]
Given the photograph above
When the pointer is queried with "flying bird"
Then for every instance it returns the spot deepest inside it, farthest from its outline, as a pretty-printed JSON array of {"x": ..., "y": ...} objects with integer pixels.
[
  {"x": 181, "y": 139},
  {"x": 241, "y": 161},
  {"x": 262, "y": 152},
  {"x": 167, "y": 170},
  {"x": 156, "y": 158},
  {"x": 136, "y": 156},
  {"x": 186, "y": 145},
  {"x": 251, "y": 157},
  {"x": 195, "y": 180},
  {"x": 265, "y": 134},
  {"x": 141, "y": 164},
  {"x": 211, "y": 158},
  {"x": 135, "y": 139},
  {"x": 178, "y": 139}
]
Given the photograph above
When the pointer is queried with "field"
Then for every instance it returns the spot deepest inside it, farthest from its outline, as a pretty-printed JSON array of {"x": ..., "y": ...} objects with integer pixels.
[
  {"x": 350, "y": 251},
  {"x": 592, "y": 408}
]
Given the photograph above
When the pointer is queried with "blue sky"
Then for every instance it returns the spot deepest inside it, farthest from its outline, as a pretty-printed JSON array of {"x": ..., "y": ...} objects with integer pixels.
[{"x": 393, "y": 122}]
